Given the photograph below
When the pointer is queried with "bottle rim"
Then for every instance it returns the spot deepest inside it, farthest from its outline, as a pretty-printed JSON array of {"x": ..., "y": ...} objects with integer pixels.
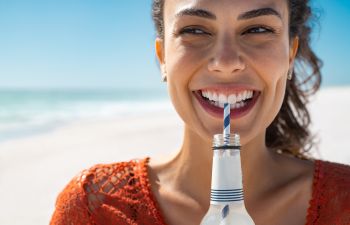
[{"x": 226, "y": 141}]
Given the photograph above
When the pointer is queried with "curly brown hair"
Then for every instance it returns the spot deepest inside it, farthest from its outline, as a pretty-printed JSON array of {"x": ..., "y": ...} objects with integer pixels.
[{"x": 289, "y": 133}]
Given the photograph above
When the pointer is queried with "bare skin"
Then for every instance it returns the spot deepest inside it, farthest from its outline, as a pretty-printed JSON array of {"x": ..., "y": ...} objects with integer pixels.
[{"x": 229, "y": 48}]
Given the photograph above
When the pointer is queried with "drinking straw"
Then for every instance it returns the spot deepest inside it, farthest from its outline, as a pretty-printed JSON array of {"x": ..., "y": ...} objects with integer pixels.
[
  {"x": 227, "y": 106},
  {"x": 226, "y": 119}
]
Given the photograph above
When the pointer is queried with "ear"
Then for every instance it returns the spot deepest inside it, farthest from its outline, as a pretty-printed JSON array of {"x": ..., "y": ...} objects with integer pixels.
[
  {"x": 159, "y": 45},
  {"x": 293, "y": 50}
]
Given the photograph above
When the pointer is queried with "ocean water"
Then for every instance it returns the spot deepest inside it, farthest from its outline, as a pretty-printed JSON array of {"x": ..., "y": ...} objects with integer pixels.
[{"x": 26, "y": 112}]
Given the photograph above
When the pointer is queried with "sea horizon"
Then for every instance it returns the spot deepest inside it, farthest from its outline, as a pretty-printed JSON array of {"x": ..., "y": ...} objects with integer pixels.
[{"x": 28, "y": 111}]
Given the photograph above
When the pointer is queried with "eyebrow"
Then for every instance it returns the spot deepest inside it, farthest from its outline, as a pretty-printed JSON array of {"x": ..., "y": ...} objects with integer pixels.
[
  {"x": 244, "y": 16},
  {"x": 259, "y": 12},
  {"x": 196, "y": 12}
]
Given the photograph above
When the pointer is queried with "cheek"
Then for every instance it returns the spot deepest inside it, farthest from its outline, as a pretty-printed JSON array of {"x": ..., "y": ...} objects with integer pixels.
[
  {"x": 279, "y": 91},
  {"x": 274, "y": 94},
  {"x": 180, "y": 65},
  {"x": 183, "y": 63},
  {"x": 184, "y": 56},
  {"x": 275, "y": 66},
  {"x": 272, "y": 65},
  {"x": 270, "y": 61}
]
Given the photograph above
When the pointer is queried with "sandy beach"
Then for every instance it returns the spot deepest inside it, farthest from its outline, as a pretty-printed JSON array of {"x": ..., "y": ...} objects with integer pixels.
[{"x": 34, "y": 169}]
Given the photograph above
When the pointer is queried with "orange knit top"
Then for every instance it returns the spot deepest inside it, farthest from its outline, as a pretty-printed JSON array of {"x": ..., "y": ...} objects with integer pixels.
[{"x": 120, "y": 193}]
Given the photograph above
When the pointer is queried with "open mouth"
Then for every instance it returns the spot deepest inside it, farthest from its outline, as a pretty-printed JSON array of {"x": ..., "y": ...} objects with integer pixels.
[{"x": 241, "y": 103}]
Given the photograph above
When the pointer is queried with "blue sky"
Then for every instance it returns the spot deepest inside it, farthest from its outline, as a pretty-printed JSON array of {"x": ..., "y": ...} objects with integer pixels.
[{"x": 109, "y": 44}]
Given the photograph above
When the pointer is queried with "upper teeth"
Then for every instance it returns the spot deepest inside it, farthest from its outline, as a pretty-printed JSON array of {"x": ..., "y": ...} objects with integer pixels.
[{"x": 224, "y": 98}]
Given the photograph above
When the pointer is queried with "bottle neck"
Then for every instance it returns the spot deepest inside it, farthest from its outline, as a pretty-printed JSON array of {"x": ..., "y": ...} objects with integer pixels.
[{"x": 227, "y": 185}]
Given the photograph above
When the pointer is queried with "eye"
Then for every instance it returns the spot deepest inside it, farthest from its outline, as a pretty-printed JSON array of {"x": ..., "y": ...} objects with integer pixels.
[
  {"x": 258, "y": 30},
  {"x": 193, "y": 31}
]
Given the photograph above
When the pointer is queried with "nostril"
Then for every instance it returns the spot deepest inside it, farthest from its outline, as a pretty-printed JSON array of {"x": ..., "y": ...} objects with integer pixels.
[{"x": 226, "y": 61}]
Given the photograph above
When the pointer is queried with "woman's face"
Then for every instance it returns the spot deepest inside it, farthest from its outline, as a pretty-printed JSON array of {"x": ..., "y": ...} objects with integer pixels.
[{"x": 226, "y": 50}]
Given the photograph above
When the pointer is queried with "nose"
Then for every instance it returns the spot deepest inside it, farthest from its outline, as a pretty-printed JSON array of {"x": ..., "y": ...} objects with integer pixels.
[{"x": 226, "y": 58}]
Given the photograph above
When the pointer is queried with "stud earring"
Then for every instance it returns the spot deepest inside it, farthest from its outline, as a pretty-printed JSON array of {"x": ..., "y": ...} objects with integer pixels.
[
  {"x": 290, "y": 74},
  {"x": 164, "y": 78}
]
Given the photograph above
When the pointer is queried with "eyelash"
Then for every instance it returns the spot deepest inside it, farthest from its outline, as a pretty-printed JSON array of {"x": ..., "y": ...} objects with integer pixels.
[
  {"x": 190, "y": 30},
  {"x": 266, "y": 30}
]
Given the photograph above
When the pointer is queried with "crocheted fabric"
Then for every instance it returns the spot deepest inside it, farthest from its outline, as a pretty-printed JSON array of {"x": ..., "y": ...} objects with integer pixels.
[
  {"x": 330, "y": 202},
  {"x": 109, "y": 194},
  {"x": 120, "y": 193}
]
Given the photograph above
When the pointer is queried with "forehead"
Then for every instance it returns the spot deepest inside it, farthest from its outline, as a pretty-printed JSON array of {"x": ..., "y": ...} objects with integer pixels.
[{"x": 227, "y": 8}]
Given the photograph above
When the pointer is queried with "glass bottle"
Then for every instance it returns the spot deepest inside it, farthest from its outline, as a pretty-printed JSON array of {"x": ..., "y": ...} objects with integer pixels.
[{"x": 227, "y": 199}]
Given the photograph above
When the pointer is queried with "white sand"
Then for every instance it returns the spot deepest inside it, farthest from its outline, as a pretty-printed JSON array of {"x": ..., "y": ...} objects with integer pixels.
[{"x": 34, "y": 170}]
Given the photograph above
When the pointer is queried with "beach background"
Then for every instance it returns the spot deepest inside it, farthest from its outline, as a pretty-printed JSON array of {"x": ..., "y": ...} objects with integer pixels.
[{"x": 79, "y": 85}]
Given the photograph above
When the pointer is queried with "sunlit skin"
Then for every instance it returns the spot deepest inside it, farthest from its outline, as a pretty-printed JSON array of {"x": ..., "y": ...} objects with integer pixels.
[{"x": 226, "y": 46}]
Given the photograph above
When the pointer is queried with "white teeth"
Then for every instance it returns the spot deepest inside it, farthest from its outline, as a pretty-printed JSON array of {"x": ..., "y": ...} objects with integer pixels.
[
  {"x": 250, "y": 94},
  {"x": 215, "y": 97},
  {"x": 233, "y": 99},
  {"x": 210, "y": 95},
  {"x": 240, "y": 97},
  {"x": 222, "y": 98},
  {"x": 238, "y": 105},
  {"x": 233, "y": 106}
]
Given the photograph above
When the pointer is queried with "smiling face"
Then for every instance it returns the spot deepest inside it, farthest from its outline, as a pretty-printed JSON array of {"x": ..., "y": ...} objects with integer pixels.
[{"x": 232, "y": 51}]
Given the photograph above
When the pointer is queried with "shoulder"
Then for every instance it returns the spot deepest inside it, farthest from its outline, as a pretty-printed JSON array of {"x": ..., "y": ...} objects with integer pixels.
[
  {"x": 331, "y": 192},
  {"x": 334, "y": 182},
  {"x": 334, "y": 174},
  {"x": 71, "y": 204},
  {"x": 117, "y": 181},
  {"x": 102, "y": 184}
]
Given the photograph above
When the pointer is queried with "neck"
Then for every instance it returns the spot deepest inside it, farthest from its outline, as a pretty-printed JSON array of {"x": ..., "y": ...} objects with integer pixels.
[{"x": 194, "y": 160}]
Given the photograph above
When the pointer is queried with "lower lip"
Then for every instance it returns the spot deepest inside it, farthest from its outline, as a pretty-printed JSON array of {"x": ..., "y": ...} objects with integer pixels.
[{"x": 219, "y": 112}]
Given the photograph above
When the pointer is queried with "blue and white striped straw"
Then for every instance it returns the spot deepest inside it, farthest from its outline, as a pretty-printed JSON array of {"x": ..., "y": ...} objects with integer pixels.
[
  {"x": 226, "y": 119},
  {"x": 227, "y": 108}
]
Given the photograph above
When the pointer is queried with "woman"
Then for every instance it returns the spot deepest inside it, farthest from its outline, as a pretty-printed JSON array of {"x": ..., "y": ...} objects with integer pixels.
[{"x": 250, "y": 53}]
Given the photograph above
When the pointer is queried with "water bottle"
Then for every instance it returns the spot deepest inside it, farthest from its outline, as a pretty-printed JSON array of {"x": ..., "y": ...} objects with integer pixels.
[{"x": 227, "y": 198}]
